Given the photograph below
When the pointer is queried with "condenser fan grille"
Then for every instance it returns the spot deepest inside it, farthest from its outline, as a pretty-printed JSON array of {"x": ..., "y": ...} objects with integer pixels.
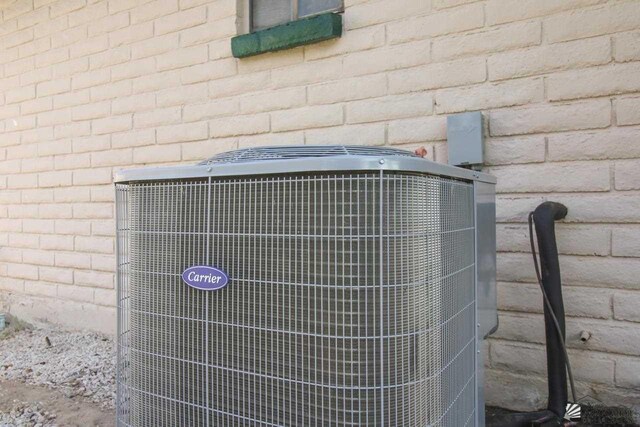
[
  {"x": 350, "y": 301},
  {"x": 259, "y": 154}
]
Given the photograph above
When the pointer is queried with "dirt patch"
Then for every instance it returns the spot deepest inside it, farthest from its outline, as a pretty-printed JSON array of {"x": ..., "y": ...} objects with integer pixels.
[
  {"x": 52, "y": 377},
  {"x": 27, "y": 405},
  {"x": 76, "y": 363}
]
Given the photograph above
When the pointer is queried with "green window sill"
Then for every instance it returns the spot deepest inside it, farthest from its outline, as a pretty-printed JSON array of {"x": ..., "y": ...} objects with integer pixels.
[{"x": 292, "y": 34}]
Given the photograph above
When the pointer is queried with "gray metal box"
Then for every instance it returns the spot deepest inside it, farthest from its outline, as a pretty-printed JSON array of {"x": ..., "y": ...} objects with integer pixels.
[{"x": 465, "y": 139}]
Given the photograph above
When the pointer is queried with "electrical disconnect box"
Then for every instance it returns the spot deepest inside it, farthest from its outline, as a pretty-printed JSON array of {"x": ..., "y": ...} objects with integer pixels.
[{"x": 465, "y": 139}]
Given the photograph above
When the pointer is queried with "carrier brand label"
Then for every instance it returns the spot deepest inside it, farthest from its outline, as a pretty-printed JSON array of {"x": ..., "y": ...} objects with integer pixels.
[{"x": 205, "y": 278}]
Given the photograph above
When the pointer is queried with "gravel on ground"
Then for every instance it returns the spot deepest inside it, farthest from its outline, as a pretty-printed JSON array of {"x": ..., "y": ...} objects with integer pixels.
[
  {"x": 75, "y": 363},
  {"x": 26, "y": 414}
]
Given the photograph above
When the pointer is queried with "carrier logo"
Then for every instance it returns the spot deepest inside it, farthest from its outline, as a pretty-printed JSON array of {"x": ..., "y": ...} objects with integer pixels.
[{"x": 205, "y": 278}]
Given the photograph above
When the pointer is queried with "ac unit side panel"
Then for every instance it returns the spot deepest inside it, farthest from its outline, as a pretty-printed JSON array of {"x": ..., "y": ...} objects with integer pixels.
[{"x": 485, "y": 201}]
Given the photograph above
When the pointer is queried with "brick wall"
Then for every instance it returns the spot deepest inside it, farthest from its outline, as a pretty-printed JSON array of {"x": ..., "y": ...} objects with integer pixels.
[{"x": 89, "y": 86}]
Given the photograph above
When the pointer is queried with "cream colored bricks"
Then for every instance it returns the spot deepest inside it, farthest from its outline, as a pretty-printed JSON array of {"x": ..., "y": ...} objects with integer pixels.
[
  {"x": 494, "y": 40},
  {"x": 573, "y": 239},
  {"x": 192, "y": 152},
  {"x": 111, "y": 91},
  {"x": 135, "y": 138},
  {"x": 417, "y": 130},
  {"x": 265, "y": 139},
  {"x": 627, "y": 175},
  {"x": 628, "y": 373},
  {"x": 239, "y": 125},
  {"x": 273, "y": 100},
  {"x": 389, "y": 108},
  {"x": 502, "y": 11},
  {"x": 182, "y": 94},
  {"x": 515, "y": 151},
  {"x": 131, "y": 34},
  {"x": 223, "y": 107},
  {"x": 387, "y": 58},
  {"x": 154, "y": 9},
  {"x": 372, "y": 134},
  {"x": 609, "y": 18},
  {"x": 154, "y": 82},
  {"x": 17, "y": 9},
  {"x": 182, "y": 58},
  {"x": 93, "y": 279},
  {"x": 506, "y": 94},
  {"x": 133, "y": 69},
  {"x": 155, "y": 46},
  {"x": 439, "y": 75},
  {"x": 625, "y": 306},
  {"x": 553, "y": 177},
  {"x": 180, "y": 20},
  {"x": 89, "y": 87},
  {"x": 587, "y": 302},
  {"x": 554, "y": 118},
  {"x": 612, "y": 80},
  {"x": 531, "y": 358},
  {"x": 547, "y": 58},
  {"x": 209, "y": 71},
  {"x": 578, "y": 271},
  {"x": 91, "y": 176},
  {"x": 348, "y": 89},
  {"x": 604, "y": 333},
  {"x": 272, "y": 60},
  {"x": 626, "y": 242},
  {"x": 611, "y": 144},
  {"x": 309, "y": 117},
  {"x": 627, "y": 46},
  {"x": 151, "y": 154},
  {"x": 91, "y": 111},
  {"x": 215, "y": 33},
  {"x": 182, "y": 133},
  {"x": 56, "y": 275},
  {"x": 628, "y": 111},
  {"x": 157, "y": 117},
  {"x": 134, "y": 103},
  {"x": 369, "y": 13},
  {"x": 450, "y": 21},
  {"x": 359, "y": 40},
  {"x": 108, "y": 24}
]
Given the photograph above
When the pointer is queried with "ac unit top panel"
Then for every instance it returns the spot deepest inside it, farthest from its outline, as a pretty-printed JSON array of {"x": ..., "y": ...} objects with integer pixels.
[
  {"x": 259, "y": 154},
  {"x": 304, "y": 158}
]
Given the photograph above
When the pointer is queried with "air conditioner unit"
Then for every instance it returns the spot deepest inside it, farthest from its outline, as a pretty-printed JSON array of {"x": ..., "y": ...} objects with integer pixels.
[{"x": 304, "y": 286}]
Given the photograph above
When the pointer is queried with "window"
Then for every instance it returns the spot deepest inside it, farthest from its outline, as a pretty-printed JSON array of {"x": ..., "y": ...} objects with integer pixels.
[
  {"x": 269, "y": 13},
  {"x": 273, "y": 25}
]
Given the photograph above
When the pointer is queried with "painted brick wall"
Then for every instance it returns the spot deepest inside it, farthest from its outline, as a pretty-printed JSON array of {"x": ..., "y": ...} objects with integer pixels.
[{"x": 89, "y": 86}]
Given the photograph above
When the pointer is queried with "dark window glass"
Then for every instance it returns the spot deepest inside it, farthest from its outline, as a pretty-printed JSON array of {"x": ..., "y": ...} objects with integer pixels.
[
  {"x": 311, "y": 7},
  {"x": 268, "y": 13}
]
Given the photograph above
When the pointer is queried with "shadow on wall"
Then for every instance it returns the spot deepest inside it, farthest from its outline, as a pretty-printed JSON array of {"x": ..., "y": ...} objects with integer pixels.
[{"x": 66, "y": 313}]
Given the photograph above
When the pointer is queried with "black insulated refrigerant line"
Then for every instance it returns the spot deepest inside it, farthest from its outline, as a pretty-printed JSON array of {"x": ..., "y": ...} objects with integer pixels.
[
  {"x": 548, "y": 275},
  {"x": 544, "y": 217}
]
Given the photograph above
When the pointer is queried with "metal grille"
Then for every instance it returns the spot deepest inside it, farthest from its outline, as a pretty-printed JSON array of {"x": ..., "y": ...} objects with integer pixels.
[
  {"x": 350, "y": 302},
  {"x": 302, "y": 151}
]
